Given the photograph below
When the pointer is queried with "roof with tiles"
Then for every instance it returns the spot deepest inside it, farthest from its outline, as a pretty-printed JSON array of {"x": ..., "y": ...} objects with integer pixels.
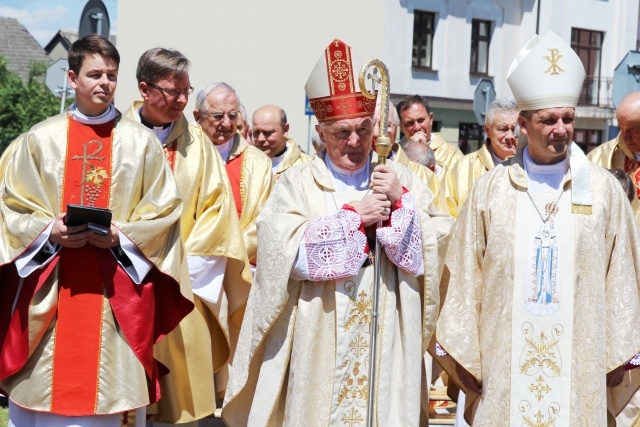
[{"x": 19, "y": 47}]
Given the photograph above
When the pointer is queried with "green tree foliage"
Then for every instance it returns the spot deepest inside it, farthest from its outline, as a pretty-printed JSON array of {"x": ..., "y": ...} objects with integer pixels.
[{"x": 23, "y": 105}]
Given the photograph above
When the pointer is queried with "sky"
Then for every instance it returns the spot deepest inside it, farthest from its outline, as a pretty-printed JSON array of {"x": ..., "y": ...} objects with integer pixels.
[{"x": 43, "y": 18}]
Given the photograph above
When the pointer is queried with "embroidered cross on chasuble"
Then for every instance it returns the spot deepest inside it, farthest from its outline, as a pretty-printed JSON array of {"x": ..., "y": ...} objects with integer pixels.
[{"x": 76, "y": 358}]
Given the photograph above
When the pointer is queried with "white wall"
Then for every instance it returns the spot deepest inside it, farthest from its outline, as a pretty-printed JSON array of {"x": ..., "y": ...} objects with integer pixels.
[{"x": 264, "y": 49}]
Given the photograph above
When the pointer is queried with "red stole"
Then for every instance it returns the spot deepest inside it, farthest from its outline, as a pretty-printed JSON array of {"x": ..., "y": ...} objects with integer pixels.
[
  {"x": 235, "y": 174},
  {"x": 76, "y": 357},
  {"x": 170, "y": 153},
  {"x": 632, "y": 168}
]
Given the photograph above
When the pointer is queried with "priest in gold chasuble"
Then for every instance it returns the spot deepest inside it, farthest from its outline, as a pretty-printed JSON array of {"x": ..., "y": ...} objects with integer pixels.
[
  {"x": 623, "y": 152},
  {"x": 500, "y": 128},
  {"x": 218, "y": 267},
  {"x": 303, "y": 355},
  {"x": 542, "y": 305},
  {"x": 81, "y": 310},
  {"x": 249, "y": 170}
]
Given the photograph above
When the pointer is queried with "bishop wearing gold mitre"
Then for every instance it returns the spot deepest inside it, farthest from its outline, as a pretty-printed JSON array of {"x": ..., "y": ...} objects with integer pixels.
[
  {"x": 304, "y": 348},
  {"x": 83, "y": 305},
  {"x": 218, "y": 267},
  {"x": 542, "y": 307}
]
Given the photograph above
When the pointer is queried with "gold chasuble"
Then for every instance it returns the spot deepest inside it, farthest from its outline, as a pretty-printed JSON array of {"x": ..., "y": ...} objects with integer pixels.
[
  {"x": 294, "y": 156},
  {"x": 251, "y": 178},
  {"x": 7, "y": 153},
  {"x": 301, "y": 358},
  {"x": 77, "y": 334},
  {"x": 209, "y": 226},
  {"x": 464, "y": 174},
  {"x": 426, "y": 175},
  {"x": 539, "y": 313},
  {"x": 615, "y": 154},
  {"x": 446, "y": 154}
]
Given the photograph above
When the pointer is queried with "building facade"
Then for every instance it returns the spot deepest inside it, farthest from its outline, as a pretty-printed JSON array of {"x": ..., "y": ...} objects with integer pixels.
[{"x": 437, "y": 48}]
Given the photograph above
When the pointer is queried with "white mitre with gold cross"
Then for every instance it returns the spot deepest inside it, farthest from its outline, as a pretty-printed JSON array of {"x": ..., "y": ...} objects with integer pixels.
[{"x": 546, "y": 73}]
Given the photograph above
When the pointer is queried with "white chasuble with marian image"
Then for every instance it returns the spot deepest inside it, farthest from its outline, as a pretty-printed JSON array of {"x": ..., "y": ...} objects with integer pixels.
[
  {"x": 542, "y": 317},
  {"x": 353, "y": 323}
]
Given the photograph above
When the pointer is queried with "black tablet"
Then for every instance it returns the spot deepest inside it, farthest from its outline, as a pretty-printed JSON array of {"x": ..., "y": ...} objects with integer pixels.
[{"x": 79, "y": 214}]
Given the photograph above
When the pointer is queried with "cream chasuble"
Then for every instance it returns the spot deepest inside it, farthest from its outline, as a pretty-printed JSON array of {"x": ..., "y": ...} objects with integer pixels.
[
  {"x": 353, "y": 333},
  {"x": 293, "y": 156},
  {"x": 297, "y": 357},
  {"x": 541, "y": 340}
]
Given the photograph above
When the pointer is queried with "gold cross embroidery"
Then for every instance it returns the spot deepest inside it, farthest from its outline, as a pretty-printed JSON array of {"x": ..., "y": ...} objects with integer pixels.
[
  {"x": 86, "y": 156},
  {"x": 554, "y": 68}
]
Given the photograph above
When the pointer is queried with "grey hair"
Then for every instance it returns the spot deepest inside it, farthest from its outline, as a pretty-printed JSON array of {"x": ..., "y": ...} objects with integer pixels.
[
  {"x": 201, "y": 98},
  {"x": 420, "y": 153},
  {"x": 315, "y": 139},
  {"x": 393, "y": 114},
  {"x": 500, "y": 105},
  {"x": 242, "y": 110}
]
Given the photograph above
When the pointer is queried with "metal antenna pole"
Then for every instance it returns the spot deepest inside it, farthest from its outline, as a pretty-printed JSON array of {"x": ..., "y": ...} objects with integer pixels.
[{"x": 63, "y": 98}]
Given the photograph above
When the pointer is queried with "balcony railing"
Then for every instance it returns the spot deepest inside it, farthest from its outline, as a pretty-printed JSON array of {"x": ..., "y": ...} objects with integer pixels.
[{"x": 597, "y": 92}]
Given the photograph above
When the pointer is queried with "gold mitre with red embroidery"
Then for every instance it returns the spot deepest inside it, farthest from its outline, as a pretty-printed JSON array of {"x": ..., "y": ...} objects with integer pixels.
[
  {"x": 546, "y": 73},
  {"x": 332, "y": 87}
]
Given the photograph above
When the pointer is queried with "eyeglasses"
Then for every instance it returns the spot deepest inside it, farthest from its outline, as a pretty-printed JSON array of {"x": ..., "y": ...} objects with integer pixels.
[
  {"x": 174, "y": 93},
  {"x": 218, "y": 117}
]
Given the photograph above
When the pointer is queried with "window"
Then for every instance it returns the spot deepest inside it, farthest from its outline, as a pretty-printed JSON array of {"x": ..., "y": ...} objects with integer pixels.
[
  {"x": 423, "y": 29},
  {"x": 588, "y": 46},
  {"x": 480, "y": 37},
  {"x": 587, "y": 139},
  {"x": 469, "y": 137}
]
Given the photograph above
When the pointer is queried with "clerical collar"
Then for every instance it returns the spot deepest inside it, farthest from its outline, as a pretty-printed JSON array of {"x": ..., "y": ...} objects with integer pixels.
[
  {"x": 544, "y": 177},
  {"x": 276, "y": 160},
  {"x": 105, "y": 117},
  {"x": 496, "y": 159},
  {"x": 637, "y": 156},
  {"x": 344, "y": 180},
  {"x": 225, "y": 150},
  {"x": 162, "y": 132}
]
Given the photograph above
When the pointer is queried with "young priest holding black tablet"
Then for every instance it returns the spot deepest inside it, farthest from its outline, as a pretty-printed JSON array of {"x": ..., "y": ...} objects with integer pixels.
[{"x": 81, "y": 307}]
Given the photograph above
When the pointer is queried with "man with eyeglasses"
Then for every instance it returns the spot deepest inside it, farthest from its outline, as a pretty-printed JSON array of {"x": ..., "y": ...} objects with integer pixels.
[
  {"x": 218, "y": 266},
  {"x": 248, "y": 168},
  {"x": 269, "y": 129},
  {"x": 310, "y": 308}
]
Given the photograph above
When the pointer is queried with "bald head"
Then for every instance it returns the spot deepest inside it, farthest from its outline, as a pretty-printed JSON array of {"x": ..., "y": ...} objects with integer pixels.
[
  {"x": 421, "y": 154},
  {"x": 269, "y": 129},
  {"x": 628, "y": 116}
]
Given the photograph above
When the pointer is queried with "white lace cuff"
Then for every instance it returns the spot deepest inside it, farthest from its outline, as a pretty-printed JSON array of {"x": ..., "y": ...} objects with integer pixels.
[
  {"x": 635, "y": 360},
  {"x": 334, "y": 246},
  {"x": 440, "y": 352},
  {"x": 402, "y": 241}
]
